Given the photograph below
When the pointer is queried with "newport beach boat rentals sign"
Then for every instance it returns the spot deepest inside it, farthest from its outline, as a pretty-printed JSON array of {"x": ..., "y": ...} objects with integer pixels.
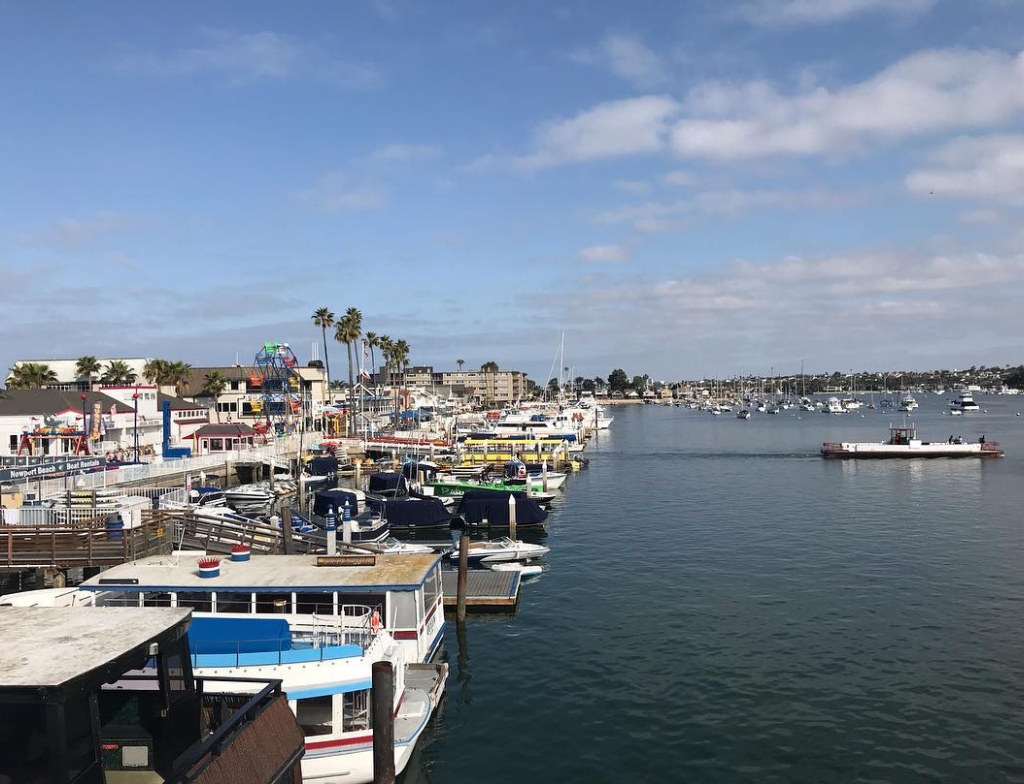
[{"x": 42, "y": 470}]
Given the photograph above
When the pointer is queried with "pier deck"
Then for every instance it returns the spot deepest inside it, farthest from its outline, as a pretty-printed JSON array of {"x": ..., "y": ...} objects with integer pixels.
[{"x": 485, "y": 590}]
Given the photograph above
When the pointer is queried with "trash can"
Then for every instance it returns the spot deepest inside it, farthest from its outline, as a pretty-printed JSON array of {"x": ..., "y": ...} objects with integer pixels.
[{"x": 115, "y": 528}]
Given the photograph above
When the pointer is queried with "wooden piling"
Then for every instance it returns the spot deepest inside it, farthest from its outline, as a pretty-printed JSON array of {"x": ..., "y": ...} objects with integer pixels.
[
  {"x": 383, "y": 687},
  {"x": 544, "y": 475},
  {"x": 286, "y": 530},
  {"x": 460, "y": 610}
]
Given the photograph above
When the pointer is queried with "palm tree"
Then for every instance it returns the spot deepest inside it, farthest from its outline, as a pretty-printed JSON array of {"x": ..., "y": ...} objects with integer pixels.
[
  {"x": 118, "y": 373},
  {"x": 86, "y": 368},
  {"x": 213, "y": 384},
  {"x": 402, "y": 360},
  {"x": 460, "y": 363},
  {"x": 348, "y": 329},
  {"x": 372, "y": 342},
  {"x": 31, "y": 375},
  {"x": 178, "y": 374},
  {"x": 324, "y": 318},
  {"x": 155, "y": 371}
]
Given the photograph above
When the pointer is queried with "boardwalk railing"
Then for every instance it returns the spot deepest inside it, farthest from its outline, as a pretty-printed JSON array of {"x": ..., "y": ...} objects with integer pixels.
[
  {"x": 92, "y": 543},
  {"x": 141, "y": 472}
]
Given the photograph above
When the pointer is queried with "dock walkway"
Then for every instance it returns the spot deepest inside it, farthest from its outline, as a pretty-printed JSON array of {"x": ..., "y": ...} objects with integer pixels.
[{"x": 485, "y": 590}]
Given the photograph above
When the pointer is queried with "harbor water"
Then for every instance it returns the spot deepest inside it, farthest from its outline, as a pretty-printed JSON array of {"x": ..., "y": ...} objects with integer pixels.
[{"x": 721, "y": 604}]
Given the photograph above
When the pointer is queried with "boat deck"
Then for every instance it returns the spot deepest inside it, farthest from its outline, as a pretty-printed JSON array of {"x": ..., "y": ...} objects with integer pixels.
[{"x": 485, "y": 590}]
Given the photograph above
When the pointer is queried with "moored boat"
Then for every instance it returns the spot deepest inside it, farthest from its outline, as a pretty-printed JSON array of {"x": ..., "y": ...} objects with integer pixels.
[
  {"x": 904, "y": 443},
  {"x": 501, "y": 550}
]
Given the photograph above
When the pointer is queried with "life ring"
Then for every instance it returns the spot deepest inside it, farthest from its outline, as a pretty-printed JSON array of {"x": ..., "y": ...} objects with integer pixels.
[{"x": 375, "y": 621}]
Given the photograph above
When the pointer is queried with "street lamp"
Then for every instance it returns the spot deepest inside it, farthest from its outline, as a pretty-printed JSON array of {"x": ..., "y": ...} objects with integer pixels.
[
  {"x": 85, "y": 432},
  {"x": 135, "y": 402}
]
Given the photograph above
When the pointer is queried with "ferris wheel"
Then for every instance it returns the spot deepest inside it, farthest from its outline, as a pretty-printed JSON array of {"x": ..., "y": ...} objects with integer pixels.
[{"x": 276, "y": 381}]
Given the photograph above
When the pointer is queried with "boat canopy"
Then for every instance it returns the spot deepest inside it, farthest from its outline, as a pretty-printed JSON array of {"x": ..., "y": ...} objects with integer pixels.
[
  {"x": 323, "y": 466},
  {"x": 426, "y": 512},
  {"x": 325, "y": 499},
  {"x": 492, "y": 505},
  {"x": 387, "y": 483}
]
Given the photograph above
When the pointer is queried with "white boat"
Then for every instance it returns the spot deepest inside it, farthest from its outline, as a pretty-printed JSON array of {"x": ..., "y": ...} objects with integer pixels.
[
  {"x": 908, "y": 403},
  {"x": 397, "y": 547},
  {"x": 526, "y": 570},
  {"x": 964, "y": 404},
  {"x": 743, "y": 414},
  {"x": 850, "y": 404},
  {"x": 904, "y": 443},
  {"x": 501, "y": 550},
  {"x": 286, "y": 617},
  {"x": 833, "y": 406}
]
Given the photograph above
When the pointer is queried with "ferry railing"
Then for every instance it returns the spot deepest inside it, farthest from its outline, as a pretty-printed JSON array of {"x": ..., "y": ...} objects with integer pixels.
[{"x": 259, "y": 649}]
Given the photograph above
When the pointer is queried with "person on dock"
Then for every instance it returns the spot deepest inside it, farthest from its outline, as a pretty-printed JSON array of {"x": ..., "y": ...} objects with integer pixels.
[{"x": 982, "y": 439}]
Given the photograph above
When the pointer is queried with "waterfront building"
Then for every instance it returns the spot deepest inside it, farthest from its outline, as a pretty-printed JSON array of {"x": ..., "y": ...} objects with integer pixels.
[{"x": 49, "y": 421}]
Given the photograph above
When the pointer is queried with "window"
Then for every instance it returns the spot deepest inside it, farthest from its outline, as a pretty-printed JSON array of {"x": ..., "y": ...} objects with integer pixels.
[
  {"x": 156, "y": 599},
  {"x": 234, "y": 386},
  {"x": 234, "y": 602},
  {"x": 319, "y": 603},
  {"x": 14, "y": 443},
  {"x": 198, "y": 601},
  {"x": 355, "y": 711},
  {"x": 216, "y": 444},
  {"x": 431, "y": 590},
  {"x": 316, "y": 715}
]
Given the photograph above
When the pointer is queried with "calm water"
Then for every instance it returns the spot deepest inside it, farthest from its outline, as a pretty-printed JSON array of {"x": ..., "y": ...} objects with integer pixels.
[{"x": 723, "y": 605}]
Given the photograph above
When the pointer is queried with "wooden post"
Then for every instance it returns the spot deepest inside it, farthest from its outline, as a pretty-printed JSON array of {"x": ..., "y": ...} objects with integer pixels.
[
  {"x": 512, "y": 514},
  {"x": 460, "y": 607},
  {"x": 286, "y": 530},
  {"x": 383, "y": 683},
  {"x": 544, "y": 475}
]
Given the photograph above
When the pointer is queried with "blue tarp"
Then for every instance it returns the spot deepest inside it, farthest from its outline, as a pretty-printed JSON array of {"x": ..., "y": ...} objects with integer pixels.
[
  {"x": 323, "y": 466},
  {"x": 413, "y": 513},
  {"x": 387, "y": 483},
  {"x": 492, "y": 505},
  {"x": 238, "y": 635}
]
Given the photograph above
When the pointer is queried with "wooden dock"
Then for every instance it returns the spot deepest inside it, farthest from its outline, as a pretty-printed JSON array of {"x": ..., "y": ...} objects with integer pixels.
[{"x": 486, "y": 591}]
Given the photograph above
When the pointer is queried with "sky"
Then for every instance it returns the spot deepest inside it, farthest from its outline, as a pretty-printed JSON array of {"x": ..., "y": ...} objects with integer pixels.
[{"x": 683, "y": 189}]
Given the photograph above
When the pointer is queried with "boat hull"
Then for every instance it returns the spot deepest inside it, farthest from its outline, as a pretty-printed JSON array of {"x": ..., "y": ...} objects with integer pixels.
[{"x": 899, "y": 451}]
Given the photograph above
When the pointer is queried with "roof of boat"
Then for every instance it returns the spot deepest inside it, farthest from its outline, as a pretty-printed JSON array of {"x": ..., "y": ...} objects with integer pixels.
[
  {"x": 396, "y": 572},
  {"x": 47, "y": 647}
]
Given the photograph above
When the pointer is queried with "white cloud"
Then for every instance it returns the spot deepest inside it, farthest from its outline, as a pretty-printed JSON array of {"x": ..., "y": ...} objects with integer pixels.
[
  {"x": 332, "y": 193},
  {"x": 604, "y": 253},
  {"x": 984, "y": 167},
  {"x": 628, "y": 58},
  {"x": 980, "y": 217},
  {"x": 628, "y": 127},
  {"x": 75, "y": 234},
  {"x": 637, "y": 187},
  {"x": 668, "y": 216},
  {"x": 405, "y": 153},
  {"x": 250, "y": 57},
  {"x": 927, "y": 92},
  {"x": 811, "y": 12},
  {"x": 679, "y": 177}
]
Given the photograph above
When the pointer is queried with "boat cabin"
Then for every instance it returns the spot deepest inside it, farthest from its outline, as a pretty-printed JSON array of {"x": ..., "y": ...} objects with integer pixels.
[
  {"x": 73, "y": 708},
  {"x": 403, "y": 590},
  {"x": 902, "y": 435}
]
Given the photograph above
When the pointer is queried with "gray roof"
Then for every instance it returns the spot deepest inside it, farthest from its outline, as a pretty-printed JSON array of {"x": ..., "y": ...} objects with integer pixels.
[
  {"x": 45, "y": 402},
  {"x": 177, "y": 403},
  {"x": 48, "y": 647}
]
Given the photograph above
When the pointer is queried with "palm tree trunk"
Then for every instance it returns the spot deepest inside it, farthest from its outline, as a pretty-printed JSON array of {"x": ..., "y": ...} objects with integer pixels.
[
  {"x": 351, "y": 392},
  {"x": 327, "y": 361}
]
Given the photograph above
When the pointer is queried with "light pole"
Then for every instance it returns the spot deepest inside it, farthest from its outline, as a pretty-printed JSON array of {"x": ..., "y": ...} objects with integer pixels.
[
  {"x": 85, "y": 432},
  {"x": 135, "y": 402}
]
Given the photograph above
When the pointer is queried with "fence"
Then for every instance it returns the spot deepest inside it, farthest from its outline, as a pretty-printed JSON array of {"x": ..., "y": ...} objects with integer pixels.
[{"x": 92, "y": 543}]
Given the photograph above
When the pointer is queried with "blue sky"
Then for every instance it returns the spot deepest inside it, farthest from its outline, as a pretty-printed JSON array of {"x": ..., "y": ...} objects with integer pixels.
[{"x": 681, "y": 188}]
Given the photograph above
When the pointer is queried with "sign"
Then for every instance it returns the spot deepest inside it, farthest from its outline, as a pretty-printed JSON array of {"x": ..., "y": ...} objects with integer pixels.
[
  {"x": 346, "y": 560},
  {"x": 58, "y": 467}
]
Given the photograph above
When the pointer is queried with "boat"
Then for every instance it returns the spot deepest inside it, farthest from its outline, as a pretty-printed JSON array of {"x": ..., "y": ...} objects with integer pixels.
[
  {"x": 908, "y": 403},
  {"x": 317, "y": 624},
  {"x": 743, "y": 414},
  {"x": 964, "y": 404},
  {"x": 833, "y": 406},
  {"x": 490, "y": 509},
  {"x": 74, "y": 707},
  {"x": 501, "y": 551},
  {"x": 526, "y": 570},
  {"x": 904, "y": 443}
]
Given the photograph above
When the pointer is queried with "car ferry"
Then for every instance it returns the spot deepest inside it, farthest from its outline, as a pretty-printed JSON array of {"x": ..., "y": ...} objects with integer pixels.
[{"x": 903, "y": 442}]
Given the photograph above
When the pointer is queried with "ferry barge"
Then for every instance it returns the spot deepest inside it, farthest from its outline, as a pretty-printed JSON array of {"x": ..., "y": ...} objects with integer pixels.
[{"x": 904, "y": 443}]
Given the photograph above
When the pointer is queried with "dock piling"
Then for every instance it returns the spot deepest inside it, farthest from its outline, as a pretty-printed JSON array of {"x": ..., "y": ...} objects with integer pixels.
[
  {"x": 383, "y": 687},
  {"x": 286, "y": 530},
  {"x": 544, "y": 475},
  {"x": 512, "y": 514},
  {"x": 460, "y": 610}
]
